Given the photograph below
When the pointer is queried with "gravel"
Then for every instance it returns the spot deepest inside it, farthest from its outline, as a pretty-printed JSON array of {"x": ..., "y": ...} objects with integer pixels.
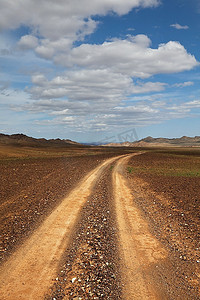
[{"x": 90, "y": 269}]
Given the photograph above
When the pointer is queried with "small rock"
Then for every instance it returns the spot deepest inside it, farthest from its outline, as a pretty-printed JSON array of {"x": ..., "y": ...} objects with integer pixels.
[{"x": 73, "y": 279}]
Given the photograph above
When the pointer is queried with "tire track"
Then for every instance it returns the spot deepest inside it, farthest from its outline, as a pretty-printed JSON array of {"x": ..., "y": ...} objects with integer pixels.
[{"x": 138, "y": 248}]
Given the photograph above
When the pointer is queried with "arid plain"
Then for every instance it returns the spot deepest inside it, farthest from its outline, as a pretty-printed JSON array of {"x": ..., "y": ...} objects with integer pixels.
[{"x": 99, "y": 222}]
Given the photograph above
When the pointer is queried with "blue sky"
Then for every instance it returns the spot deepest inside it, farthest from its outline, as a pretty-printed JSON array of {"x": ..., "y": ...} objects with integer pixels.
[{"x": 89, "y": 71}]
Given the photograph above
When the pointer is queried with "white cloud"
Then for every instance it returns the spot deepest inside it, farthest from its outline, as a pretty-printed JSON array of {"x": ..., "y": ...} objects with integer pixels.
[
  {"x": 47, "y": 48},
  {"x": 60, "y": 112},
  {"x": 185, "y": 107},
  {"x": 184, "y": 84},
  {"x": 193, "y": 104},
  {"x": 179, "y": 27},
  {"x": 91, "y": 85},
  {"x": 45, "y": 52},
  {"x": 28, "y": 42},
  {"x": 107, "y": 119},
  {"x": 54, "y": 20},
  {"x": 39, "y": 79},
  {"x": 139, "y": 108},
  {"x": 56, "y": 25},
  {"x": 102, "y": 116},
  {"x": 102, "y": 81},
  {"x": 132, "y": 57}
]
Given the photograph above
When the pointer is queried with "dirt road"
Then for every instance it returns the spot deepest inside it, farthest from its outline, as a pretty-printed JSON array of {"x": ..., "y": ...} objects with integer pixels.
[
  {"x": 30, "y": 270},
  {"x": 111, "y": 254}
]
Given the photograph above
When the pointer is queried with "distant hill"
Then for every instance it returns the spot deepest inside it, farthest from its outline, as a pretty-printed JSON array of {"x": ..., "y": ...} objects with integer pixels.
[
  {"x": 149, "y": 141},
  {"x": 24, "y": 140}
]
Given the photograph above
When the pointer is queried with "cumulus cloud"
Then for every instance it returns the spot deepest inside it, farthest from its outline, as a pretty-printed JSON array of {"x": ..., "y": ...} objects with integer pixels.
[
  {"x": 106, "y": 76},
  {"x": 133, "y": 57},
  {"x": 47, "y": 48},
  {"x": 179, "y": 27},
  {"x": 54, "y": 20},
  {"x": 56, "y": 25}
]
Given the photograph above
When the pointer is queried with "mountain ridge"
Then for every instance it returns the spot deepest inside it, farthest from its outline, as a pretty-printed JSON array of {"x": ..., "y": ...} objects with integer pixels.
[
  {"x": 183, "y": 141},
  {"x": 20, "y": 139}
]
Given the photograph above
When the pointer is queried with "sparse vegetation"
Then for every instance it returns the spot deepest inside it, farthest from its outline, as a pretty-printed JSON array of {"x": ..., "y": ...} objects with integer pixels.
[
  {"x": 170, "y": 164},
  {"x": 129, "y": 169}
]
